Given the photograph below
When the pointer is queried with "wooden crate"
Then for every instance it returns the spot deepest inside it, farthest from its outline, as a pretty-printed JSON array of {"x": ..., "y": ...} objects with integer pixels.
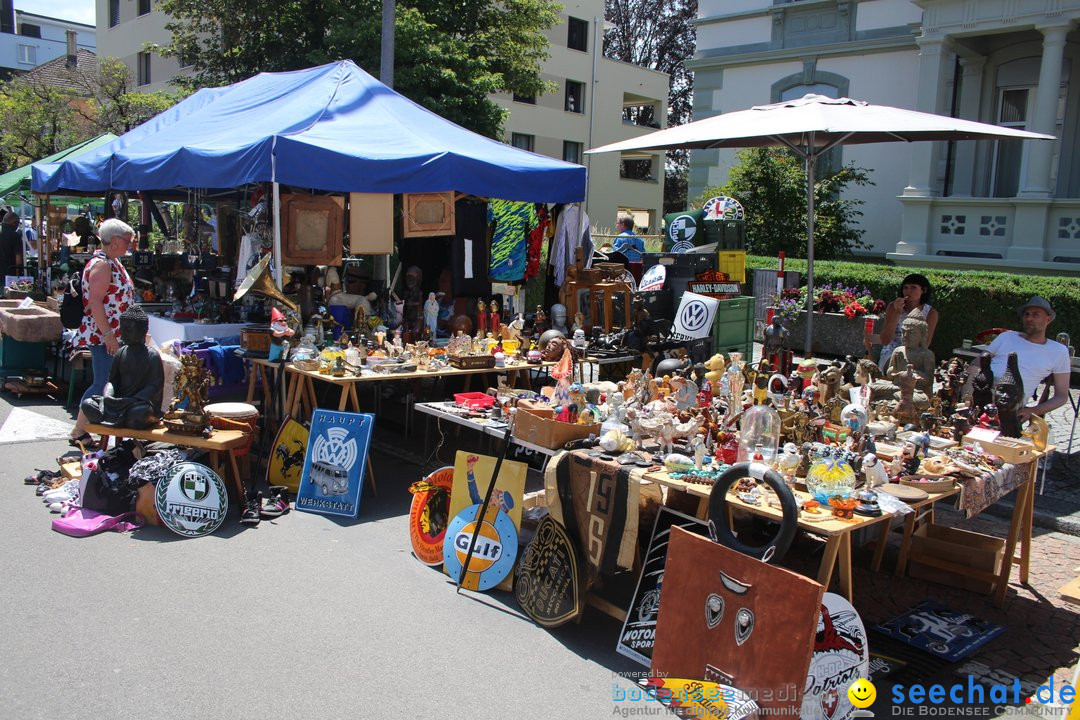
[{"x": 959, "y": 558}]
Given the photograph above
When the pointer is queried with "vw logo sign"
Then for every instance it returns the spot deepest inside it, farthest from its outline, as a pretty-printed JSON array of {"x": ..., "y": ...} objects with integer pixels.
[
  {"x": 682, "y": 229},
  {"x": 694, "y": 315},
  {"x": 191, "y": 500}
]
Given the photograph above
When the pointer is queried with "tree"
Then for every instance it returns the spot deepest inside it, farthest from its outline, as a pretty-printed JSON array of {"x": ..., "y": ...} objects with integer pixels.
[
  {"x": 114, "y": 104},
  {"x": 41, "y": 117},
  {"x": 657, "y": 34},
  {"x": 38, "y": 121},
  {"x": 771, "y": 185},
  {"x": 449, "y": 55}
]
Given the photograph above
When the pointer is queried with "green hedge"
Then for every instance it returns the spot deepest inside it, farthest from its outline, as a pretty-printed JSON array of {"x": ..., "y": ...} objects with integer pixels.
[{"x": 967, "y": 301}]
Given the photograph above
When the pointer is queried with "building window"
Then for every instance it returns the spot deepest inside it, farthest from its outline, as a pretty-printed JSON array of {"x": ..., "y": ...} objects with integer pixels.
[
  {"x": 522, "y": 141},
  {"x": 30, "y": 30},
  {"x": 143, "y": 69},
  {"x": 114, "y": 13},
  {"x": 637, "y": 167},
  {"x": 575, "y": 96},
  {"x": 577, "y": 34},
  {"x": 530, "y": 99},
  {"x": 144, "y": 7},
  {"x": 27, "y": 55},
  {"x": 185, "y": 60},
  {"x": 1012, "y": 113},
  {"x": 571, "y": 152}
]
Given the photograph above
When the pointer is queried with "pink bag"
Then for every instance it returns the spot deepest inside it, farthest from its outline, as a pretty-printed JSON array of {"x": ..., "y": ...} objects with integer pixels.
[{"x": 81, "y": 522}]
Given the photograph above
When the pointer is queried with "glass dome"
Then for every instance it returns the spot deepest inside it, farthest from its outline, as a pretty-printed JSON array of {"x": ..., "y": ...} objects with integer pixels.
[{"x": 760, "y": 425}]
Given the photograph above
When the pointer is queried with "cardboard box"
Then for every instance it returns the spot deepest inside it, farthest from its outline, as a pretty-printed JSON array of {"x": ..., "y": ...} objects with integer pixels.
[
  {"x": 965, "y": 549},
  {"x": 546, "y": 432}
]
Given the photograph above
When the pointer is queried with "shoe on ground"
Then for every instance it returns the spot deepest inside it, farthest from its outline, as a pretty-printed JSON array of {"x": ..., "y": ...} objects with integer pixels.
[
  {"x": 277, "y": 504},
  {"x": 250, "y": 514}
]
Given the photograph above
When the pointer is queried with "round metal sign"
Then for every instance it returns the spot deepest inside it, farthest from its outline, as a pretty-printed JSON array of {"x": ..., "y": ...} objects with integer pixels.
[
  {"x": 494, "y": 555},
  {"x": 428, "y": 515},
  {"x": 192, "y": 500},
  {"x": 653, "y": 279}
]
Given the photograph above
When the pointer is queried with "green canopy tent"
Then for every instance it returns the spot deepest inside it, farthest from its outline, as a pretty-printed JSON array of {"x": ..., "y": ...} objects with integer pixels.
[{"x": 18, "y": 180}]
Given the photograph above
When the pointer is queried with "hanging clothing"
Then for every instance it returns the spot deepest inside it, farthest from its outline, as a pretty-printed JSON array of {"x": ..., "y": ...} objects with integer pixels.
[
  {"x": 469, "y": 252},
  {"x": 513, "y": 222},
  {"x": 571, "y": 233},
  {"x": 536, "y": 242}
]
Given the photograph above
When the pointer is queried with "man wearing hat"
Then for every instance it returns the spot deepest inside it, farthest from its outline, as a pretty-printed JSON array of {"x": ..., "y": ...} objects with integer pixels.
[
  {"x": 1037, "y": 356},
  {"x": 11, "y": 251}
]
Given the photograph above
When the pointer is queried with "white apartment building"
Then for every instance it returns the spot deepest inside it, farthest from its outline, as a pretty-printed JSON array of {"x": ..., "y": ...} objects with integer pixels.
[
  {"x": 594, "y": 95},
  {"x": 1008, "y": 62},
  {"x": 28, "y": 39},
  {"x": 125, "y": 27},
  {"x": 596, "y": 103}
]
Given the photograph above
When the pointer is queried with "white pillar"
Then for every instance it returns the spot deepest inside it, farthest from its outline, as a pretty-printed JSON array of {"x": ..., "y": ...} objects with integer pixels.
[
  {"x": 915, "y": 224},
  {"x": 970, "y": 95},
  {"x": 1035, "y": 180}
]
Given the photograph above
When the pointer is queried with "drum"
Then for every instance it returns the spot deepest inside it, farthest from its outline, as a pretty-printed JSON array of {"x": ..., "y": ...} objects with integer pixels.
[{"x": 234, "y": 416}]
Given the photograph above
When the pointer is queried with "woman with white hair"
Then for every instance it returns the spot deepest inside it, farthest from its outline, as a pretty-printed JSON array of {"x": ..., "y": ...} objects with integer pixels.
[{"x": 107, "y": 291}]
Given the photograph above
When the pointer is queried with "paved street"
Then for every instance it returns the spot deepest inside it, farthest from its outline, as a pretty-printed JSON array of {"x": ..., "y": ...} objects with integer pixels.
[{"x": 311, "y": 617}]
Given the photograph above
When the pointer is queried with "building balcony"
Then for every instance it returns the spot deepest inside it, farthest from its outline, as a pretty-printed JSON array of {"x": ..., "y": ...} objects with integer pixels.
[{"x": 1028, "y": 233}]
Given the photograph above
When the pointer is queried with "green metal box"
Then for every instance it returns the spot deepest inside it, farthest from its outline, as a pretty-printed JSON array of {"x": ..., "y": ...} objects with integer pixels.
[{"x": 733, "y": 330}]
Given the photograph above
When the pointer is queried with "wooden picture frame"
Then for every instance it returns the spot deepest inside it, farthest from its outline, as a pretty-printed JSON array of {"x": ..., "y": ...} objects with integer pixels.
[
  {"x": 428, "y": 214},
  {"x": 312, "y": 229}
]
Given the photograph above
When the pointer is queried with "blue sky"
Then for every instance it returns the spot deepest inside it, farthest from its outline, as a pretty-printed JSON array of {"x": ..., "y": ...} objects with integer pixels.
[{"x": 76, "y": 10}]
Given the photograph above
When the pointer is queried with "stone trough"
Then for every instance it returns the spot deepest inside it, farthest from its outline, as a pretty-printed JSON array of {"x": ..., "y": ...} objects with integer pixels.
[{"x": 33, "y": 324}]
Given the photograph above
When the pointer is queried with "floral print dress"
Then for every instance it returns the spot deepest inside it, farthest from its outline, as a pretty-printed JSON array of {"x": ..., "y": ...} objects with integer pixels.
[{"x": 119, "y": 296}]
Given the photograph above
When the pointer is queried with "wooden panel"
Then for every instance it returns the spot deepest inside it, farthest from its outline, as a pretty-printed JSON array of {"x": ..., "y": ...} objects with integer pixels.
[
  {"x": 730, "y": 618},
  {"x": 371, "y": 223}
]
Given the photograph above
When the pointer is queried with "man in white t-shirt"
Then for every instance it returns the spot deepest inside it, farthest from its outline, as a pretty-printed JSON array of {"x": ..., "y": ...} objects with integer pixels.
[{"x": 1037, "y": 356}]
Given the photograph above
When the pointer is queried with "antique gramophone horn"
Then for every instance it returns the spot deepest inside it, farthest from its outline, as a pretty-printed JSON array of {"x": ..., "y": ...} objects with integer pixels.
[{"x": 260, "y": 281}]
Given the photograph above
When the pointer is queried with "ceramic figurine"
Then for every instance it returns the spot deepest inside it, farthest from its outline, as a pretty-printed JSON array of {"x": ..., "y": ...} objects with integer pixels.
[
  {"x": 494, "y": 320},
  {"x": 874, "y": 471},
  {"x": 431, "y": 314}
]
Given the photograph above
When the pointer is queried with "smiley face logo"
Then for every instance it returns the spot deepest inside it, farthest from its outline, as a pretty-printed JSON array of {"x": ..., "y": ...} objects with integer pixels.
[{"x": 862, "y": 693}]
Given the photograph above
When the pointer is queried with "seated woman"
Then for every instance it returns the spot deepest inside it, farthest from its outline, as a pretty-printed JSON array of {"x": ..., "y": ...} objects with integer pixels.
[{"x": 915, "y": 293}]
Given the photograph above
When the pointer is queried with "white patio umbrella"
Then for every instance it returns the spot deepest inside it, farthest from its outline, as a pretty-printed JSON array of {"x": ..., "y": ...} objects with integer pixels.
[{"x": 811, "y": 126}]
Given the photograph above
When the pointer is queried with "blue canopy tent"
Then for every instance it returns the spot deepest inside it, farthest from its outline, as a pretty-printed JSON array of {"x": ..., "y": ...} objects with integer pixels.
[{"x": 332, "y": 128}]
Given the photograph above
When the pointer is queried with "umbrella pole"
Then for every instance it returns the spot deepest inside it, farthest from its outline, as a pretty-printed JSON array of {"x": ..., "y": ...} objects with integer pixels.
[{"x": 811, "y": 158}]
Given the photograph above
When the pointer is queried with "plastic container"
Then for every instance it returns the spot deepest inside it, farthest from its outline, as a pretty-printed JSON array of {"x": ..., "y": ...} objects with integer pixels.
[{"x": 474, "y": 400}]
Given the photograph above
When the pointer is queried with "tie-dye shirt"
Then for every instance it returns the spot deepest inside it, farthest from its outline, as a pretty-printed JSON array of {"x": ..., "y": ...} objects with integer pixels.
[{"x": 513, "y": 222}]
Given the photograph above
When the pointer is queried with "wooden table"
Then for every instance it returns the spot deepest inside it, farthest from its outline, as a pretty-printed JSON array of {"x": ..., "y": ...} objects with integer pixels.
[
  {"x": 494, "y": 429},
  {"x": 837, "y": 533},
  {"x": 301, "y": 384},
  {"x": 220, "y": 442},
  {"x": 266, "y": 371},
  {"x": 1020, "y": 531}
]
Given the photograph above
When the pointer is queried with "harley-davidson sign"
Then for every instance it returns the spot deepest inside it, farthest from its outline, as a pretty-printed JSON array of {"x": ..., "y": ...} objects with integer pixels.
[{"x": 715, "y": 284}]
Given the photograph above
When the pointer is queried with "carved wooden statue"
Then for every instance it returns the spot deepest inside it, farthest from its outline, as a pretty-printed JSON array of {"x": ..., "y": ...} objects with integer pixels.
[
  {"x": 982, "y": 385},
  {"x": 1009, "y": 398}
]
